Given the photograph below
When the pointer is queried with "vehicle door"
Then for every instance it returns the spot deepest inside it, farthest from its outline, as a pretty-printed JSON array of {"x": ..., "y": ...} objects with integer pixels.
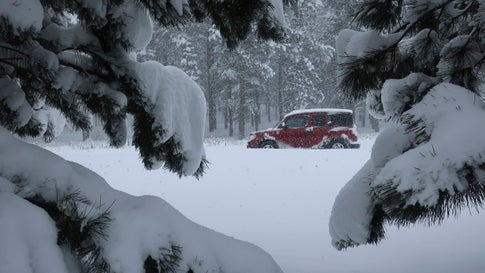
[
  {"x": 293, "y": 131},
  {"x": 317, "y": 132}
]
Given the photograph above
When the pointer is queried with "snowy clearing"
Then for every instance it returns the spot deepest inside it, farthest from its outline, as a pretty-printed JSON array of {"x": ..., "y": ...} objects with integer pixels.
[{"x": 281, "y": 201}]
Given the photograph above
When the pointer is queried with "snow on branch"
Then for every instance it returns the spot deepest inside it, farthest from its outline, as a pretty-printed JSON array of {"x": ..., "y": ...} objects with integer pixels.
[
  {"x": 173, "y": 113},
  {"x": 266, "y": 15},
  {"x": 22, "y": 15},
  {"x": 142, "y": 232},
  {"x": 379, "y": 14},
  {"x": 398, "y": 95},
  {"x": 428, "y": 169},
  {"x": 458, "y": 59},
  {"x": 31, "y": 237},
  {"x": 363, "y": 57}
]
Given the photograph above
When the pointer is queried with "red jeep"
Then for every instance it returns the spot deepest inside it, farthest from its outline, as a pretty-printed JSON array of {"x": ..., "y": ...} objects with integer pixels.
[{"x": 310, "y": 128}]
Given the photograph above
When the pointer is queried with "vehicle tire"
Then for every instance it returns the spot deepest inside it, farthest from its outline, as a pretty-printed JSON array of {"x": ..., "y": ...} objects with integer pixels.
[
  {"x": 268, "y": 144},
  {"x": 337, "y": 144}
]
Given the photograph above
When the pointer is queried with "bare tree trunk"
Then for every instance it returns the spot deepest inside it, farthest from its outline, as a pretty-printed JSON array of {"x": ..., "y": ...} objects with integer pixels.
[
  {"x": 257, "y": 117},
  {"x": 211, "y": 96},
  {"x": 257, "y": 111},
  {"x": 242, "y": 108},
  {"x": 280, "y": 87},
  {"x": 230, "y": 115},
  {"x": 226, "y": 117},
  {"x": 268, "y": 111}
]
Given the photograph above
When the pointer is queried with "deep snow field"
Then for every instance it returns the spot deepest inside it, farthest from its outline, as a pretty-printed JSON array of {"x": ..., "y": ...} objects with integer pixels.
[{"x": 281, "y": 201}]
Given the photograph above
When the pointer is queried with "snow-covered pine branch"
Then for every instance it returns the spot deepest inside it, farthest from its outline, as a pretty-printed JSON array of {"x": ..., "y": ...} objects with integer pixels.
[
  {"x": 420, "y": 71},
  {"x": 73, "y": 59},
  {"x": 85, "y": 64},
  {"x": 42, "y": 193}
]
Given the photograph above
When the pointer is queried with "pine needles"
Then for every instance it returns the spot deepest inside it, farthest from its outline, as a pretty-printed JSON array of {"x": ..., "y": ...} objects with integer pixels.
[
  {"x": 167, "y": 262},
  {"x": 393, "y": 203},
  {"x": 82, "y": 227}
]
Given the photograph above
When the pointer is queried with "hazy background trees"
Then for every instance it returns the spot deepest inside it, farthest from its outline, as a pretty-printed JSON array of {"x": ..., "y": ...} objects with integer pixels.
[{"x": 257, "y": 83}]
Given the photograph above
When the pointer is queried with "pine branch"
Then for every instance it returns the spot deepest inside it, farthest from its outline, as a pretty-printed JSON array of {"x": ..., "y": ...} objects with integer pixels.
[
  {"x": 398, "y": 212},
  {"x": 379, "y": 15},
  {"x": 166, "y": 14},
  {"x": 359, "y": 75},
  {"x": 32, "y": 129},
  {"x": 81, "y": 230},
  {"x": 234, "y": 19},
  {"x": 168, "y": 262},
  {"x": 146, "y": 139}
]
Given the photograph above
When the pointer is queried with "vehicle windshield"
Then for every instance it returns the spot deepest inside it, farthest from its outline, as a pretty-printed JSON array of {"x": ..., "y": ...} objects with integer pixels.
[{"x": 278, "y": 124}]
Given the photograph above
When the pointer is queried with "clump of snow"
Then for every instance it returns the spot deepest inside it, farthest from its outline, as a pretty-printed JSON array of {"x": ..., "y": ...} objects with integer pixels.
[
  {"x": 67, "y": 78},
  {"x": 419, "y": 171},
  {"x": 119, "y": 99},
  {"x": 329, "y": 111},
  {"x": 350, "y": 220},
  {"x": 138, "y": 26},
  {"x": 398, "y": 94},
  {"x": 445, "y": 113},
  {"x": 31, "y": 237},
  {"x": 178, "y": 105},
  {"x": 67, "y": 37},
  {"x": 14, "y": 98},
  {"x": 45, "y": 58},
  {"x": 352, "y": 210},
  {"x": 463, "y": 48},
  {"x": 390, "y": 143},
  {"x": 422, "y": 47},
  {"x": 22, "y": 14},
  {"x": 352, "y": 43},
  {"x": 141, "y": 226}
]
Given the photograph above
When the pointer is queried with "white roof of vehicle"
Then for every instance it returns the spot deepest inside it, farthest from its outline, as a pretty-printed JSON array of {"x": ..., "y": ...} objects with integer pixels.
[{"x": 318, "y": 110}]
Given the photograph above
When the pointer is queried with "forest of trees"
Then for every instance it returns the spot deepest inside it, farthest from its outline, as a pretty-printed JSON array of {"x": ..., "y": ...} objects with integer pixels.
[{"x": 258, "y": 82}]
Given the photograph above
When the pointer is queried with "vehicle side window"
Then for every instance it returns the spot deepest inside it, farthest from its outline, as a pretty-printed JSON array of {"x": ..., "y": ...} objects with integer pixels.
[
  {"x": 341, "y": 119},
  {"x": 296, "y": 122},
  {"x": 318, "y": 121}
]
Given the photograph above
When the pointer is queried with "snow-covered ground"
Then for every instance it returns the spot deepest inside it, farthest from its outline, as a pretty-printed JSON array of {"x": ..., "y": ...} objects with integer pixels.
[{"x": 281, "y": 201}]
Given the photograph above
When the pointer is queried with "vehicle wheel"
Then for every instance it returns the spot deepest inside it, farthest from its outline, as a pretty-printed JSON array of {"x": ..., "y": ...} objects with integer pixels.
[
  {"x": 268, "y": 144},
  {"x": 337, "y": 144}
]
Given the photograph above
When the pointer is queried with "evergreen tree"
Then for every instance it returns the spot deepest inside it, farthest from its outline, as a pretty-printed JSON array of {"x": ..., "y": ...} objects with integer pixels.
[
  {"x": 302, "y": 59},
  {"x": 419, "y": 65},
  {"x": 334, "y": 15},
  {"x": 74, "y": 59},
  {"x": 245, "y": 73},
  {"x": 191, "y": 48}
]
